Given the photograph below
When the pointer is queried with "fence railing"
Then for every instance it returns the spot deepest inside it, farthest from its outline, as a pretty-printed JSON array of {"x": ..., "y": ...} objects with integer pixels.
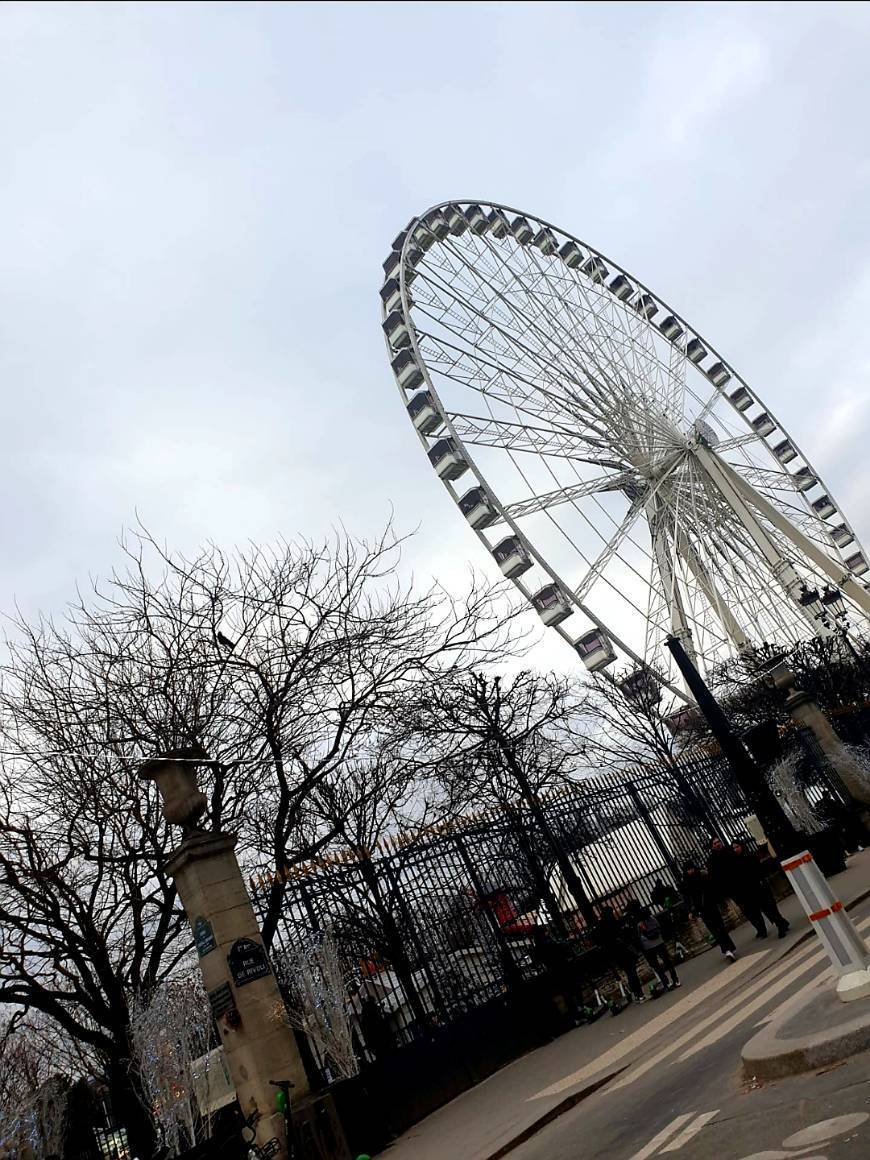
[{"x": 437, "y": 924}]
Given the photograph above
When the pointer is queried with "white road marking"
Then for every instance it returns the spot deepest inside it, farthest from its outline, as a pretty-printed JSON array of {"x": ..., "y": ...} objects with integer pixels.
[
  {"x": 655, "y": 1027},
  {"x": 746, "y": 1009},
  {"x": 690, "y": 1131},
  {"x": 762, "y": 984},
  {"x": 662, "y": 1137},
  {"x": 759, "y": 1001}
]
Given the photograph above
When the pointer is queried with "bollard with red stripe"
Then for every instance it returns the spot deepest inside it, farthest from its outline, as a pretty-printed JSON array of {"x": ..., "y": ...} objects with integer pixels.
[{"x": 845, "y": 947}]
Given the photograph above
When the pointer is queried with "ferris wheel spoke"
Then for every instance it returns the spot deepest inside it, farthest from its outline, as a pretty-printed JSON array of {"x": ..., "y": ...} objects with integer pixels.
[
  {"x": 538, "y": 363},
  {"x": 496, "y": 381},
  {"x": 613, "y": 545},
  {"x": 565, "y": 342},
  {"x": 491, "y": 432},
  {"x": 540, "y": 503},
  {"x": 737, "y": 441}
]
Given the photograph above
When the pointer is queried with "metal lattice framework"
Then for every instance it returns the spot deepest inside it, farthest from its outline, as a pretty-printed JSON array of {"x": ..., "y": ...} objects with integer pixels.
[{"x": 616, "y": 467}]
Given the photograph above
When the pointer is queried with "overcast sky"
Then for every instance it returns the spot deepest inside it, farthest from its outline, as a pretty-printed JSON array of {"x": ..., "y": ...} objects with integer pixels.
[{"x": 196, "y": 201}]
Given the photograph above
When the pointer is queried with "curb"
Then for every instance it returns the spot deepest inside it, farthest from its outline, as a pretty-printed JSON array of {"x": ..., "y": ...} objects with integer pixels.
[
  {"x": 767, "y": 1057},
  {"x": 554, "y": 1113}
]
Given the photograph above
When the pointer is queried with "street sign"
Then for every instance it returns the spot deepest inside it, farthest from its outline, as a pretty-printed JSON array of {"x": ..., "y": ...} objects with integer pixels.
[
  {"x": 247, "y": 961},
  {"x": 203, "y": 936}
]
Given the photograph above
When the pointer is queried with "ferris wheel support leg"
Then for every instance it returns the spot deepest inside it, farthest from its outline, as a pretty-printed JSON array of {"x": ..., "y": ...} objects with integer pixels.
[
  {"x": 731, "y": 487},
  {"x": 664, "y": 563},
  {"x": 714, "y": 597},
  {"x": 850, "y": 587}
]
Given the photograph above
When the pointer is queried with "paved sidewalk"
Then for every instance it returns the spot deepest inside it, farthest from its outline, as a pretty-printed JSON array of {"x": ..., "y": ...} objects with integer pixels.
[{"x": 486, "y": 1121}]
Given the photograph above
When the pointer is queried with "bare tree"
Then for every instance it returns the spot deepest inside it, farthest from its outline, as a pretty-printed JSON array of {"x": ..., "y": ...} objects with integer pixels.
[
  {"x": 624, "y": 722},
  {"x": 283, "y": 665},
  {"x": 508, "y": 741}
]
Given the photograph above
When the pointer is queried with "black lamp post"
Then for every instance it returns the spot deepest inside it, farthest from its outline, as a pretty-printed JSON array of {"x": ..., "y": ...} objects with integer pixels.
[{"x": 780, "y": 832}]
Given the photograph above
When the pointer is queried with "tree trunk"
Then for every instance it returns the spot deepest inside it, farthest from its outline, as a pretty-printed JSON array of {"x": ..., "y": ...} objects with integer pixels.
[{"x": 129, "y": 1109}]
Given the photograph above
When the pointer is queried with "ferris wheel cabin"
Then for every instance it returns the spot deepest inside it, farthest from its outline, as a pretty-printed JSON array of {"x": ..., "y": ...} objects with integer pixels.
[
  {"x": 477, "y": 509},
  {"x": 511, "y": 557},
  {"x": 823, "y": 507},
  {"x": 446, "y": 459},
  {"x": 763, "y": 424},
  {"x": 391, "y": 295},
  {"x": 718, "y": 374},
  {"x": 396, "y": 330},
  {"x": 477, "y": 219},
  {"x": 646, "y": 305},
  {"x": 552, "y": 605},
  {"x": 696, "y": 351},
  {"x": 785, "y": 451},
  {"x": 857, "y": 564},
  {"x": 499, "y": 226},
  {"x": 408, "y": 374},
  {"x": 424, "y": 414},
  {"x": 595, "y": 650},
  {"x": 640, "y": 686},
  {"x": 670, "y": 328},
  {"x": 521, "y": 230},
  {"x": 571, "y": 254},
  {"x": 841, "y": 536},
  {"x": 741, "y": 399},
  {"x": 621, "y": 288},
  {"x": 594, "y": 269},
  {"x": 804, "y": 479}
]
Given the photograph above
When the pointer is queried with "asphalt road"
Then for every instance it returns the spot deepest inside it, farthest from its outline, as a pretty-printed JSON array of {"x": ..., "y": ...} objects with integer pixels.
[{"x": 682, "y": 1093}]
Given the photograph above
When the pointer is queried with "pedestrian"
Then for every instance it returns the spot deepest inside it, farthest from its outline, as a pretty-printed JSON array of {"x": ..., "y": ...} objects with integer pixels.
[
  {"x": 664, "y": 897},
  {"x": 737, "y": 874},
  {"x": 702, "y": 902},
  {"x": 620, "y": 948},
  {"x": 655, "y": 950},
  {"x": 562, "y": 969},
  {"x": 845, "y": 821}
]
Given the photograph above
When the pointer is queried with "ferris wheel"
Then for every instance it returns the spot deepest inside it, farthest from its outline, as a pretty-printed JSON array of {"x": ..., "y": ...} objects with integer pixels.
[{"x": 620, "y": 472}]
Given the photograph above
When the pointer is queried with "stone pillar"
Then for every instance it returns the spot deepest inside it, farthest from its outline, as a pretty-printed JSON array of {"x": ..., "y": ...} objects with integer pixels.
[
  {"x": 259, "y": 1045},
  {"x": 804, "y": 710}
]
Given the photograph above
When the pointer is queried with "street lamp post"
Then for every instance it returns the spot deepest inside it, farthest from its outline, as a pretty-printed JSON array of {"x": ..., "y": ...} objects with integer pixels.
[{"x": 778, "y": 829}]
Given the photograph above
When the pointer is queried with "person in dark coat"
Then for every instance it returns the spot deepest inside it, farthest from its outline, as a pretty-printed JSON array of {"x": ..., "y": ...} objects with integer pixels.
[
  {"x": 845, "y": 821},
  {"x": 702, "y": 901},
  {"x": 737, "y": 874},
  {"x": 619, "y": 948},
  {"x": 663, "y": 897}
]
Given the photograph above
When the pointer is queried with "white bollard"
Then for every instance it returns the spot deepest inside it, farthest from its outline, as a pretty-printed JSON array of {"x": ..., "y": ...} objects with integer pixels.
[{"x": 845, "y": 947}]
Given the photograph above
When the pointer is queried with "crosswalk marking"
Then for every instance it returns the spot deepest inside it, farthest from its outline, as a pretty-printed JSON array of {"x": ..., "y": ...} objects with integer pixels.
[
  {"x": 762, "y": 984},
  {"x": 654, "y": 1027},
  {"x": 690, "y": 1131},
  {"x": 749, "y": 1008},
  {"x": 663, "y": 1136},
  {"x": 746, "y": 1009}
]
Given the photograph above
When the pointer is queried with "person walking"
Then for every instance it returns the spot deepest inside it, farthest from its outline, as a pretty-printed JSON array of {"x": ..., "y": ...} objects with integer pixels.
[
  {"x": 737, "y": 874},
  {"x": 619, "y": 948},
  {"x": 701, "y": 900},
  {"x": 754, "y": 889},
  {"x": 655, "y": 950}
]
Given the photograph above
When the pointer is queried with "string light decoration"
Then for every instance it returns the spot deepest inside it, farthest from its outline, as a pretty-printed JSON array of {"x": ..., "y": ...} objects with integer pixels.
[
  {"x": 170, "y": 1030},
  {"x": 317, "y": 983}
]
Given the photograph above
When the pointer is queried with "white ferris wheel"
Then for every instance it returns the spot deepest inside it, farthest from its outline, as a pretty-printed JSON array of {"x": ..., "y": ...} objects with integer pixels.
[{"x": 621, "y": 473}]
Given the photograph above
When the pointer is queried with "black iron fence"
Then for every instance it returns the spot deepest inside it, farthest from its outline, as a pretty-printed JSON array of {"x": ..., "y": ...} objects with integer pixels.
[{"x": 435, "y": 925}]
